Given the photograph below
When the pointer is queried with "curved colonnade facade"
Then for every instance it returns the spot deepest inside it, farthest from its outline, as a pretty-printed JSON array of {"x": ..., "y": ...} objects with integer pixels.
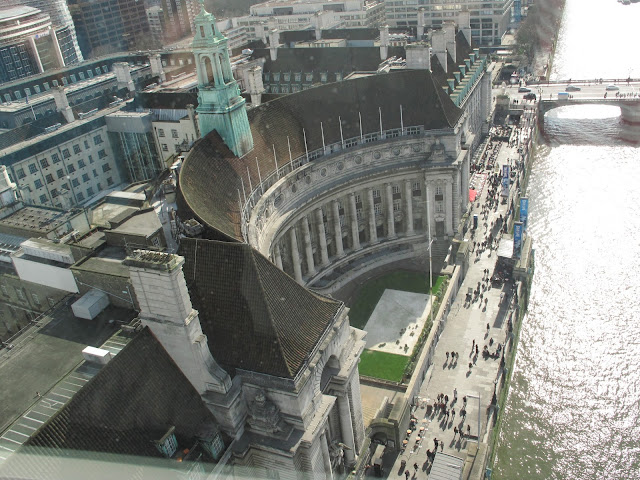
[{"x": 363, "y": 207}]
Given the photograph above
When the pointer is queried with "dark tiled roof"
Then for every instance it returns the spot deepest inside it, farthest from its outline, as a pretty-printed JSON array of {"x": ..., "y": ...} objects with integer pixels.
[
  {"x": 166, "y": 100},
  {"x": 255, "y": 316},
  {"x": 132, "y": 401},
  {"x": 334, "y": 59},
  {"x": 210, "y": 176},
  {"x": 29, "y": 130},
  {"x": 288, "y": 37}
]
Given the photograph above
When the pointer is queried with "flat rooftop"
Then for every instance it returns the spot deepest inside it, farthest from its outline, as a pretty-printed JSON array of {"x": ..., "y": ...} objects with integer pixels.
[
  {"x": 37, "y": 220},
  {"x": 41, "y": 356},
  {"x": 18, "y": 11}
]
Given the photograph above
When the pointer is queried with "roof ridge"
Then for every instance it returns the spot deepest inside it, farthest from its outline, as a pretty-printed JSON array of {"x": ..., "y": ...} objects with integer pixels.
[{"x": 268, "y": 306}]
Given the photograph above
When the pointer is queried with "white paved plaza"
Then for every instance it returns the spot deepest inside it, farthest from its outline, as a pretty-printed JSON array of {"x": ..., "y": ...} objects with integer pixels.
[{"x": 397, "y": 321}]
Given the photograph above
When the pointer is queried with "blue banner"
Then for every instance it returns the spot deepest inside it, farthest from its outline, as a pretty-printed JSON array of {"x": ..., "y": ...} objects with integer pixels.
[
  {"x": 524, "y": 211},
  {"x": 517, "y": 239}
]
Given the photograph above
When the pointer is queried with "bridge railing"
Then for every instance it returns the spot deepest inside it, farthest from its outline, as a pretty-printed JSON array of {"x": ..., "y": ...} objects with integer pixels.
[{"x": 598, "y": 81}]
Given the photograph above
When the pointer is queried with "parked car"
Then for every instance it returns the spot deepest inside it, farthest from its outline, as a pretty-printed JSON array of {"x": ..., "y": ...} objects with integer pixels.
[
  {"x": 572, "y": 88},
  {"x": 612, "y": 87},
  {"x": 530, "y": 96},
  {"x": 524, "y": 90}
]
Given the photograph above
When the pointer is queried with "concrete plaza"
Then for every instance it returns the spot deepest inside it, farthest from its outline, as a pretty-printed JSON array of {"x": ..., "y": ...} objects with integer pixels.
[{"x": 397, "y": 321}]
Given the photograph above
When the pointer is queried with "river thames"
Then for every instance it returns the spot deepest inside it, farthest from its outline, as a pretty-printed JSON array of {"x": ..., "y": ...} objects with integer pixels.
[{"x": 573, "y": 410}]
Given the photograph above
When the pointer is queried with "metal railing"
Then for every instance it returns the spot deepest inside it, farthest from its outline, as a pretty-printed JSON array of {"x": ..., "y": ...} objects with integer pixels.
[{"x": 251, "y": 200}]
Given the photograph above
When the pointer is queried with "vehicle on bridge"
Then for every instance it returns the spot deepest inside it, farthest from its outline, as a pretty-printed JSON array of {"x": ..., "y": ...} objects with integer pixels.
[
  {"x": 530, "y": 96},
  {"x": 572, "y": 88},
  {"x": 524, "y": 90},
  {"x": 563, "y": 96},
  {"x": 612, "y": 88}
]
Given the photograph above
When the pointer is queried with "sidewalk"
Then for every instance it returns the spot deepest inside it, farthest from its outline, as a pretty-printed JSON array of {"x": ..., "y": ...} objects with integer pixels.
[{"x": 466, "y": 323}]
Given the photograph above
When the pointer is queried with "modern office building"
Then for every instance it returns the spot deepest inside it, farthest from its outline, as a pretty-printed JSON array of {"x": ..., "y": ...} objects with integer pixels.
[
  {"x": 108, "y": 26},
  {"x": 179, "y": 16},
  {"x": 489, "y": 20},
  {"x": 155, "y": 17},
  {"x": 62, "y": 24}
]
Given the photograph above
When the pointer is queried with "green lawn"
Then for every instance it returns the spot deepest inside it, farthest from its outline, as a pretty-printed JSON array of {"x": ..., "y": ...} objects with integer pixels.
[
  {"x": 367, "y": 297},
  {"x": 387, "y": 366}
]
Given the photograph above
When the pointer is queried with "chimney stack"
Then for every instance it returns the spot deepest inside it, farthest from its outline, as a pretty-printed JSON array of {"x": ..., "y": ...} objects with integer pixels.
[
  {"x": 62, "y": 103},
  {"x": 123, "y": 75},
  {"x": 384, "y": 42},
  {"x": 255, "y": 87},
  {"x": 420, "y": 32},
  {"x": 274, "y": 43},
  {"x": 439, "y": 46}
]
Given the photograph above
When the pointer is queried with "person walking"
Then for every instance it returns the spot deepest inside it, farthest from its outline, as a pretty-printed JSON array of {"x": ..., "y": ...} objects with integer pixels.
[
  {"x": 406, "y": 474},
  {"x": 455, "y": 394}
]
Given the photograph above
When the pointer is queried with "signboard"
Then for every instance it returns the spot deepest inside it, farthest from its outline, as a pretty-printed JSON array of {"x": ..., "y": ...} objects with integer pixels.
[
  {"x": 517, "y": 239},
  {"x": 505, "y": 180},
  {"x": 524, "y": 211}
]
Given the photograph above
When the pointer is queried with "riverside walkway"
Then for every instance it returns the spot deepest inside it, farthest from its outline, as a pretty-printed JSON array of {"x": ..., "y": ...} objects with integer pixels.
[{"x": 469, "y": 374}]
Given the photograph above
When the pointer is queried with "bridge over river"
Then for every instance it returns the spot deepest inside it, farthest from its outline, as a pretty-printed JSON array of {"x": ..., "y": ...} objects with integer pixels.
[{"x": 629, "y": 107}]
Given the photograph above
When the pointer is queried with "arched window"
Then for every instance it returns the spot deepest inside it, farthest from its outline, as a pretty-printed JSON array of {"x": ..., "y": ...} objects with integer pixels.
[{"x": 208, "y": 69}]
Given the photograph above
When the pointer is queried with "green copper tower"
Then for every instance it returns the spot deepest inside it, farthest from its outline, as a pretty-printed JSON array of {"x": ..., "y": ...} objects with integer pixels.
[{"x": 220, "y": 105}]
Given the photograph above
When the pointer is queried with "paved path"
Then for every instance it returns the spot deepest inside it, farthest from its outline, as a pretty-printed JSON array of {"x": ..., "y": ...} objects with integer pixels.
[{"x": 465, "y": 324}]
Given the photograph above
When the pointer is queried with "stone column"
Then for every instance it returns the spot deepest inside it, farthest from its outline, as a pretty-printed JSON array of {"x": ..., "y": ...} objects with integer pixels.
[
  {"x": 277, "y": 256},
  {"x": 456, "y": 201},
  {"x": 347, "y": 428},
  {"x": 354, "y": 222},
  {"x": 326, "y": 456},
  {"x": 448, "y": 204},
  {"x": 322, "y": 238},
  {"x": 295, "y": 256},
  {"x": 391, "y": 228},
  {"x": 337, "y": 228},
  {"x": 409, "y": 206},
  {"x": 373, "y": 234},
  {"x": 311, "y": 269},
  {"x": 356, "y": 409}
]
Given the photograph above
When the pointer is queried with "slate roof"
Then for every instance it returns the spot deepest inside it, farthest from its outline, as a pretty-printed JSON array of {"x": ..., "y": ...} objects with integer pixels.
[
  {"x": 211, "y": 175},
  {"x": 334, "y": 59},
  {"x": 255, "y": 316},
  {"x": 132, "y": 401}
]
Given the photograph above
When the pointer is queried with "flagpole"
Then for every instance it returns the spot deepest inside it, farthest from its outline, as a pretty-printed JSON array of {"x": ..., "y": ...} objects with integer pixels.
[{"x": 430, "y": 241}]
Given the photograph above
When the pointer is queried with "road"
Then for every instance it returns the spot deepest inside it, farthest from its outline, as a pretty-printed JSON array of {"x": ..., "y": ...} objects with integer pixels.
[{"x": 587, "y": 90}]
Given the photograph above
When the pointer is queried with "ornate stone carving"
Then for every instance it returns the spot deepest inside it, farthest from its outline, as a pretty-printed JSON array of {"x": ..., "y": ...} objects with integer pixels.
[{"x": 264, "y": 415}]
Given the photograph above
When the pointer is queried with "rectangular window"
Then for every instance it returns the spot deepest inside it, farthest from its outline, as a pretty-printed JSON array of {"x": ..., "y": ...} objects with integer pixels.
[
  {"x": 165, "y": 147},
  {"x": 33, "y": 168},
  {"x": 76, "y": 148},
  {"x": 358, "y": 198},
  {"x": 80, "y": 196},
  {"x": 38, "y": 183},
  {"x": 95, "y": 172},
  {"x": 44, "y": 163},
  {"x": 60, "y": 173},
  {"x": 49, "y": 178},
  {"x": 43, "y": 199},
  {"x": 396, "y": 205},
  {"x": 89, "y": 192},
  {"x": 438, "y": 190},
  {"x": 71, "y": 168},
  {"x": 161, "y": 132},
  {"x": 416, "y": 186},
  {"x": 97, "y": 140},
  {"x": 174, "y": 133},
  {"x": 102, "y": 154},
  {"x": 20, "y": 173},
  {"x": 85, "y": 177},
  {"x": 46, "y": 86},
  {"x": 86, "y": 145},
  {"x": 377, "y": 209},
  {"x": 55, "y": 158},
  {"x": 376, "y": 194},
  {"x": 66, "y": 153},
  {"x": 81, "y": 164},
  {"x": 54, "y": 193},
  {"x": 106, "y": 167},
  {"x": 110, "y": 181},
  {"x": 439, "y": 207},
  {"x": 36, "y": 299},
  {"x": 395, "y": 189},
  {"x": 90, "y": 158},
  {"x": 75, "y": 182}
]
